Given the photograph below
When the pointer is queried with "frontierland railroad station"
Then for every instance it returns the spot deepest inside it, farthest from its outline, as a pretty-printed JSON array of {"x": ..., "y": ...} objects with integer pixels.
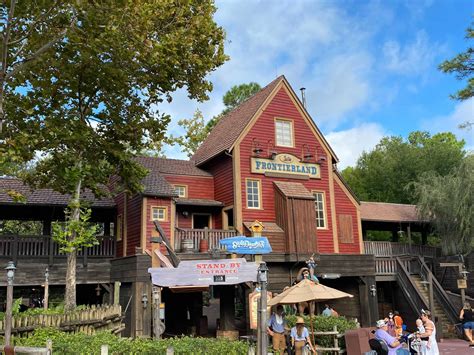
[{"x": 265, "y": 161}]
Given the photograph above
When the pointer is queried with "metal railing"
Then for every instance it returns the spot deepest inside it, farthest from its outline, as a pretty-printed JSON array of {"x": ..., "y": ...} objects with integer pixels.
[
  {"x": 17, "y": 247},
  {"x": 191, "y": 238},
  {"x": 396, "y": 249}
]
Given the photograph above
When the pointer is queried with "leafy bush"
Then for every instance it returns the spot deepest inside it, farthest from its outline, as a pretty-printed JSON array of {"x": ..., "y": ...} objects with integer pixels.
[
  {"x": 34, "y": 311},
  {"x": 325, "y": 324},
  {"x": 67, "y": 343}
]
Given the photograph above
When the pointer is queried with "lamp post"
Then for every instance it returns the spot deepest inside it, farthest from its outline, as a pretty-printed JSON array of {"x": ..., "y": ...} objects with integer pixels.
[
  {"x": 262, "y": 278},
  {"x": 8, "y": 314},
  {"x": 46, "y": 289}
]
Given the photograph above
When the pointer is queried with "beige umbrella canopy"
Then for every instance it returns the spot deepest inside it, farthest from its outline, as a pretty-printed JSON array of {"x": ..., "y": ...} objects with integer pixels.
[{"x": 307, "y": 290}]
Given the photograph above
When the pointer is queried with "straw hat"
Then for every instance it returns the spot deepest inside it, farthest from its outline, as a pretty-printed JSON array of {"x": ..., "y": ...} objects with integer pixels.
[
  {"x": 299, "y": 320},
  {"x": 380, "y": 323}
]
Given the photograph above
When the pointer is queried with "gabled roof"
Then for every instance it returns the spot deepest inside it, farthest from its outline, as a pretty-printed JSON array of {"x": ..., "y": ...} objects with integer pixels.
[
  {"x": 43, "y": 197},
  {"x": 294, "y": 189},
  {"x": 229, "y": 127},
  {"x": 388, "y": 212},
  {"x": 155, "y": 183}
]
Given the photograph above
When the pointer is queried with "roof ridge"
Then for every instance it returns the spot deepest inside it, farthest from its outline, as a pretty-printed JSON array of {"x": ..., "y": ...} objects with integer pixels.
[{"x": 389, "y": 203}]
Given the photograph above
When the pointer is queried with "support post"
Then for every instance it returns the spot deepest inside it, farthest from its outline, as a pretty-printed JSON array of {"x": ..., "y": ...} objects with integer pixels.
[
  {"x": 462, "y": 290},
  {"x": 262, "y": 339},
  {"x": 8, "y": 313},
  {"x": 46, "y": 289},
  {"x": 158, "y": 326},
  {"x": 431, "y": 297},
  {"x": 117, "y": 292}
]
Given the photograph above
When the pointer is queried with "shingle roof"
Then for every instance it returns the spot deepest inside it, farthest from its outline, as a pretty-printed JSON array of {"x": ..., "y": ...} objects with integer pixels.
[
  {"x": 294, "y": 189},
  {"x": 388, "y": 212},
  {"x": 44, "y": 196},
  {"x": 198, "y": 202},
  {"x": 269, "y": 227},
  {"x": 155, "y": 183},
  {"x": 229, "y": 127}
]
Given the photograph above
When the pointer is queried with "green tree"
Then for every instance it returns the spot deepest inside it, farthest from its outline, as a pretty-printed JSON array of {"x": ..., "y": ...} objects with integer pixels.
[
  {"x": 29, "y": 30},
  {"x": 196, "y": 131},
  {"x": 448, "y": 203},
  {"x": 93, "y": 102},
  {"x": 383, "y": 173}
]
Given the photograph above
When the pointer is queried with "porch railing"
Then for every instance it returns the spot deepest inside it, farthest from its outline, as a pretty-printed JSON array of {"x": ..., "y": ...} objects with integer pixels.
[
  {"x": 187, "y": 239},
  {"x": 17, "y": 247},
  {"x": 397, "y": 249}
]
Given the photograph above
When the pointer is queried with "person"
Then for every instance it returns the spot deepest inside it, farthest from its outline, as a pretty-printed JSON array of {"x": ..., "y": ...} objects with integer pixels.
[
  {"x": 391, "y": 324},
  {"x": 276, "y": 329},
  {"x": 307, "y": 275},
  {"x": 394, "y": 345},
  {"x": 327, "y": 311},
  {"x": 397, "y": 319},
  {"x": 300, "y": 337},
  {"x": 430, "y": 332},
  {"x": 334, "y": 312},
  {"x": 311, "y": 266},
  {"x": 423, "y": 341},
  {"x": 467, "y": 318}
]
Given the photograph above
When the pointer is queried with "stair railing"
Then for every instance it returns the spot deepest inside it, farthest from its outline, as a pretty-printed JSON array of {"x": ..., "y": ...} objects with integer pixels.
[
  {"x": 438, "y": 292},
  {"x": 413, "y": 295}
]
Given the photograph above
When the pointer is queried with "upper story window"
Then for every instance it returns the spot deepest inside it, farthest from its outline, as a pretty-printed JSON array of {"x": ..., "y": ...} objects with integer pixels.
[
  {"x": 158, "y": 214},
  {"x": 320, "y": 210},
  {"x": 253, "y": 194},
  {"x": 180, "y": 190},
  {"x": 284, "y": 133}
]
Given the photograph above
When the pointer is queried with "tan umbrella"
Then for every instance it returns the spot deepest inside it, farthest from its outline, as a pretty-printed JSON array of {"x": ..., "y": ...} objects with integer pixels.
[{"x": 307, "y": 290}]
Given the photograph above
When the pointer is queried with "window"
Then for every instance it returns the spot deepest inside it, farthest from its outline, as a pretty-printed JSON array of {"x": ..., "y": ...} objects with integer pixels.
[
  {"x": 320, "y": 210},
  {"x": 345, "y": 229},
  {"x": 284, "y": 133},
  {"x": 180, "y": 190},
  {"x": 118, "y": 232},
  {"x": 253, "y": 194},
  {"x": 158, "y": 214}
]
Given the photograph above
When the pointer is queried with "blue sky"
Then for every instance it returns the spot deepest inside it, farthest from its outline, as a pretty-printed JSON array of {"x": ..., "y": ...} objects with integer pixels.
[{"x": 370, "y": 67}]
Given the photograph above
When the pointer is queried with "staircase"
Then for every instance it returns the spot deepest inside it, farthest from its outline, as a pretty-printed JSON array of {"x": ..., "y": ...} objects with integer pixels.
[{"x": 437, "y": 310}]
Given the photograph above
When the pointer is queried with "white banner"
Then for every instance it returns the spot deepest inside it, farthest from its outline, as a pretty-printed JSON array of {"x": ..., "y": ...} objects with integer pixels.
[{"x": 205, "y": 273}]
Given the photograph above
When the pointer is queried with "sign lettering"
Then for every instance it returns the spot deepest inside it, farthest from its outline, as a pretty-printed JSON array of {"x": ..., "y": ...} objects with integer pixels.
[
  {"x": 247, "y": 245},
  {"x": 286, "y": 164}
]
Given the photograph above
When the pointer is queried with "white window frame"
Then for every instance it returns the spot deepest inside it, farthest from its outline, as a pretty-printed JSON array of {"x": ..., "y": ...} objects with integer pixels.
[
  {"x": 159, "y": 218},
  {"x": 320, "y": 213},
  {"x": 284, "y": 133},
  {"x": 252, "y": 203},
  {"x": 185, "y": 190}
]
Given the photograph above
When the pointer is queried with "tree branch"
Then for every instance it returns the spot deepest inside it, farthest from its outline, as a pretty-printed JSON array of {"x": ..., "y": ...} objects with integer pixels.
[{"x": 5, "y": 39}]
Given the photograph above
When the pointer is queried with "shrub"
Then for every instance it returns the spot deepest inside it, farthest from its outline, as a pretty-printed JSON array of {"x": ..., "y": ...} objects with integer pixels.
[
  {"x": 67, "y": 343},
  {"x": 325, "y": 324}
]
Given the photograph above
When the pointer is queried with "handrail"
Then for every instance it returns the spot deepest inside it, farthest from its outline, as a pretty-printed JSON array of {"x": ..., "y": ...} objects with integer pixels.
[
  {"x": 438, "y": 291},
  {"x": 415, "y": 299},
  {"x": 381, "y": 248}
]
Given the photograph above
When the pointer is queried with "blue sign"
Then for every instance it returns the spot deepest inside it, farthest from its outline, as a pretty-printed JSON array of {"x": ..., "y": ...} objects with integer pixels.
[{"x": 247, "y": 245}]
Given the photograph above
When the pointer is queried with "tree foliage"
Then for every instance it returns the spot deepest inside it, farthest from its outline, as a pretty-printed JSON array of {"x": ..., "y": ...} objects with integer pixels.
[
  {"x": 196, "y": 131},
  {"x": 383, "y": 173},
  {"x": 448, "y": 203},
  {"x": 463, "y": 67},
  {"x": 92, "y": 101}
]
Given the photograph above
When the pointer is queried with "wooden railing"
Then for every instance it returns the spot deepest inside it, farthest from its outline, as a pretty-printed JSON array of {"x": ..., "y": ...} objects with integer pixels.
[
  {"x": 413, "y": 295},
  {"x": 397, "y": 249},
  {"x": 212, "y": 236},
  {"x": 388, "y": 265},
  {"x": 17, "y": 247}
]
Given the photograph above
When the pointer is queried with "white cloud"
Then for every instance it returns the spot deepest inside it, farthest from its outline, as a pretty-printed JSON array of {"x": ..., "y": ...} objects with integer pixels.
[
  {"x": 463, "y": 112},
  {"x": 349, "y": 144}
]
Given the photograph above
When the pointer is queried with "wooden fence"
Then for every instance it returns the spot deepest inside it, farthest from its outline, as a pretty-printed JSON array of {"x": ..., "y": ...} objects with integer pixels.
[
  {"x": 212, "y": 236},
  {"x": 398, "y": 249},
  {"x": 88, "y": 321}
]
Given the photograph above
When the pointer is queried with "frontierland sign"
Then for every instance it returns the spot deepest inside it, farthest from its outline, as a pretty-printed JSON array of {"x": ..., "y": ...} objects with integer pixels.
[{"x": 285, "y": 164}]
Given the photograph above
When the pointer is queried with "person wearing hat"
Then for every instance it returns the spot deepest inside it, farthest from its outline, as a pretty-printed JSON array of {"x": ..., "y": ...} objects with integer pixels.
[
  {"x": 300, "y": 337},
  {"x": 276, "y": 329},
  {"x": 394, "y": 345}
]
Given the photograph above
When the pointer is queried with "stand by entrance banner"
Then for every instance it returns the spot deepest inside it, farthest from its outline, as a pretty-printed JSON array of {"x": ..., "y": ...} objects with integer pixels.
[
  {"x": 247, "y": 245},
  {"x": 205, "y": 273}
]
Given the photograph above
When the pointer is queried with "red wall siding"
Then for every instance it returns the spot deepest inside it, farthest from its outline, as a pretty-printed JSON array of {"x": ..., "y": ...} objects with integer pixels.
[
  {"x": 134, "y": 213},
  {"x": 150, "y": 227},
  {"x": 344, "y": 206},
  {"x": 263, "y": 130},
  {"x": 197, "y": 186},
  {"x": 222, "y": 170}
]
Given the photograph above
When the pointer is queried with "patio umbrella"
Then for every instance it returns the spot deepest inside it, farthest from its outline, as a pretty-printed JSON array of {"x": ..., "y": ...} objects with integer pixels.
[{"x": 307, "y": 290}]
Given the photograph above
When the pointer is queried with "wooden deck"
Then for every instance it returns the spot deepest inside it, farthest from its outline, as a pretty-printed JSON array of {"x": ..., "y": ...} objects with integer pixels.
[{"x": 212, "y": 236}]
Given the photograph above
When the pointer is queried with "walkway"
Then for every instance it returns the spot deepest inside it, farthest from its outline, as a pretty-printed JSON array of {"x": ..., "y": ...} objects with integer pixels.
[{"x": 455, "y": 347}]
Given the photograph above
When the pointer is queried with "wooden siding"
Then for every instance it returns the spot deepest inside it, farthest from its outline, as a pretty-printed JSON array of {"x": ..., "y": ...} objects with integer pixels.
[
  {"x": 166, "y": 225},
  {"x": 134, "y": 225},
  {"x": 262, "y": 131},
  {"x": 221, "y": 168},
  {"x": 344, "y": 206},
  {"x": 199, "y": 187},
  {"x": 119, "y": 200}
]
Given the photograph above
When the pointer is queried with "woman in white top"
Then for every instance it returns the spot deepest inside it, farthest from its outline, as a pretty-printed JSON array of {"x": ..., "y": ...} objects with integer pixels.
[
  {"x": 300, "y": 336},
  {"x": 430, "y": 332}
]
